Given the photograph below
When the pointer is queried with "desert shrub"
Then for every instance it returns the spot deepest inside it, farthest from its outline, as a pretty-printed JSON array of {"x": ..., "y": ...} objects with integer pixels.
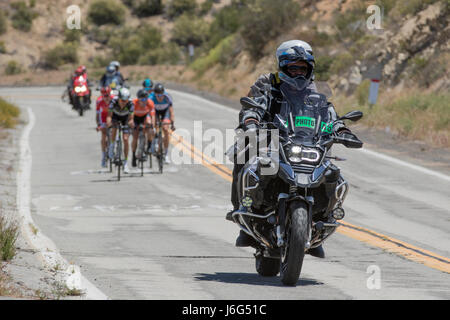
[
  {"x": 13, "y": 67},
  {"x": 59, "y": 55},
  {"x": 265, "y": 20},
  {"x": 351, "y": 24},
  {"x": 8, "y": 115},
  {"x": 145, "y": 8},
  {"x": 169, "y": 53},
  {"x": 133, "y": 43},
  {"x": 362, "y": 92},
  {"x": 22, "y": 18},
  {"x": 102, "y": 12},
  {"x": 226, "y": 22},
  {"x": 322, "y": 68},
  {"x": 2, "y": 47},
  {"x": 341, "y": 62},
  {"x": 9, "y": 232},
  {"x": 205, "y": 7},
  {"x": 3, "y": 22},
  {"x": 190, "y": 29},
  {"x": 72, "y": 35},
  {"x": 178, "y": 7}
]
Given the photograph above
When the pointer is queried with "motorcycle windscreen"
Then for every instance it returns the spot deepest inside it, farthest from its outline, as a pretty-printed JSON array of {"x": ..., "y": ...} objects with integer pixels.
[{"x": 304, "y": 114}]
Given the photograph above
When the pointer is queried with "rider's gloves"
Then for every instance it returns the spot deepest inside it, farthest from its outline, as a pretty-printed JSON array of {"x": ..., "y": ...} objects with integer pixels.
[
  {"x": 251, "y": 124},
  {"x": 349, "y": 139},
  {"x": 172, "y": 126}
]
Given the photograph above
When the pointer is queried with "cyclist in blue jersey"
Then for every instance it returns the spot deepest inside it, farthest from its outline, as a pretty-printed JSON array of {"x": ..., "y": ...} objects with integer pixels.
[
  {"x": 164, "y": 109},
  {"x": 148, "y": 85}
]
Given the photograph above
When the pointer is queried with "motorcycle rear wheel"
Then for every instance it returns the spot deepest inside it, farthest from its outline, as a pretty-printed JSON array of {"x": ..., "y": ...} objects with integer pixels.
[{"x": 294, "y": 250}]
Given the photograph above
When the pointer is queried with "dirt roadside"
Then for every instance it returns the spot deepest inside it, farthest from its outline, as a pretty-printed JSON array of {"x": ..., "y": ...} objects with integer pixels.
[{"x": 25, "y": 276}]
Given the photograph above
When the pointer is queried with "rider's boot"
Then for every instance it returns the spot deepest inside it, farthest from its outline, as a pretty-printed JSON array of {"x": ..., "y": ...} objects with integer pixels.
[
  {"x": 133, "y": 161},
  {"x": 317, "y": 252}
]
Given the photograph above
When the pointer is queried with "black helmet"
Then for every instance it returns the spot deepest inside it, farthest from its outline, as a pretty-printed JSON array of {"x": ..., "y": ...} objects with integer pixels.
[
  {"x": 142, "y": 93},
  {"x": 159, "y": 88}
]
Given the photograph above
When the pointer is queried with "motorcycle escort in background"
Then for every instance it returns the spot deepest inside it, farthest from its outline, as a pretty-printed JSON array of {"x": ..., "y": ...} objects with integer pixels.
[
  {"x": 81, "y": 95},
  {"x": 291, "y": 197}
]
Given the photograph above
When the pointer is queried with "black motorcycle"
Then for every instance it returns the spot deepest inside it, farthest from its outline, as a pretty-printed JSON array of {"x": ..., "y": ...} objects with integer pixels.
[{"x": 291, "y": 194}]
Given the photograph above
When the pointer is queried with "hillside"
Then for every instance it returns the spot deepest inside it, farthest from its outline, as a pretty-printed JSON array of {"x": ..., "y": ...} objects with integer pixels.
[{"x": 235, "y": 42}]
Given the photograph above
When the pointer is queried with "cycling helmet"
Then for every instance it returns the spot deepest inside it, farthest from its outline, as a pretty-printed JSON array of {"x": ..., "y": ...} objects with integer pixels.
[
  {"x": 83, "y": 69},
  {"x": 159, "y": 88},
  {"x": 124, "y": 94},
  {"x": 105, "y": 91},
  {"x": 147, "y": 84},
  {"x": 293, "y": 51},
  {"x": 115, "y": 64},
  {"x": 110, "y": 70},
  {"x": 142, "y": 94}
]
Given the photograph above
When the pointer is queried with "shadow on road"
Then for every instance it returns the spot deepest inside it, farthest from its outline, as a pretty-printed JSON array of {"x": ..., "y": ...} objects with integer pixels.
[{"x": 250, "y": 278}]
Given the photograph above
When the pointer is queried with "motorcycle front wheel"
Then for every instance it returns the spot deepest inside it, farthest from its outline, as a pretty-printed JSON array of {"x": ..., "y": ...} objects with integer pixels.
[{"x": 294, "y": 249}]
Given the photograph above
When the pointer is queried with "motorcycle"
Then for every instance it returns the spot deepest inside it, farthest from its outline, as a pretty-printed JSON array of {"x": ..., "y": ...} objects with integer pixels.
[
  {"x": 81, "y": 94},
  {"x": 291, "y": 195}
]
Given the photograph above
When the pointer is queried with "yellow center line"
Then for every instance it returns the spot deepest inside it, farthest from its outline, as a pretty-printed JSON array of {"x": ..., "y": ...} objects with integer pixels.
[{"x": 370, "y": 237}]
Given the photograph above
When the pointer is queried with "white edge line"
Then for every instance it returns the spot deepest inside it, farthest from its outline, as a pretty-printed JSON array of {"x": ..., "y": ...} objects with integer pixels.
[
  {"x": 367, "y": 151},
  {"x": 45, "y": 246}
]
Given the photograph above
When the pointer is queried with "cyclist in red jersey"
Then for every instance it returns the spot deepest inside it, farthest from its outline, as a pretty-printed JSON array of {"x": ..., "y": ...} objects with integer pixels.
[
  {"x": 144, "y": 113},
  {"x": 100, "y": 118}
]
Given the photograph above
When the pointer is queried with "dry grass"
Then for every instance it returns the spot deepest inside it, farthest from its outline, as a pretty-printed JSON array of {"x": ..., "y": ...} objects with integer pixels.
[
  {"x": 412, "y": 114},
  {"x": 9, "y": 114},
  {"x": 9, "y": 232}
]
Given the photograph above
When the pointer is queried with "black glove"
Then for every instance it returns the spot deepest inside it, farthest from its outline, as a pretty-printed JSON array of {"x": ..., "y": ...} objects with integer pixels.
[{"x": 348, "y": 139}]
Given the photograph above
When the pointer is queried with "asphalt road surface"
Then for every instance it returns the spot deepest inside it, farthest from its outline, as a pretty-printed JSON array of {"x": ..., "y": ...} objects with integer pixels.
[{"x": 166, "y": 237}]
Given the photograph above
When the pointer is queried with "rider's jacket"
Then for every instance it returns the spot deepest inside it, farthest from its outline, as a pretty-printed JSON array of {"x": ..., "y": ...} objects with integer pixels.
[
  {"x": 106, "y": 79},
  {"x": 140, "y": 111},
  {"x": 115, "y": 108},
  {"x": 164, "y": 104},
  {"x": 266, "y": 92}
]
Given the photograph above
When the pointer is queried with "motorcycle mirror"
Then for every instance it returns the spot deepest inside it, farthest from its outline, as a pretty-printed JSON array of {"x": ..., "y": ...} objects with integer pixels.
[{"x": 352, "y": 116}]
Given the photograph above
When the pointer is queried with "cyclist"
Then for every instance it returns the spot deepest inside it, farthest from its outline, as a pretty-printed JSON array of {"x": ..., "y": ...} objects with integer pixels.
[
  {"x": 148, "y": 85},
  {"x": 100, "y": 117},
  {"x": 164, "y": 109},
  {"x": 120, "y": 112},
  {"x": 144, "y": 113}
]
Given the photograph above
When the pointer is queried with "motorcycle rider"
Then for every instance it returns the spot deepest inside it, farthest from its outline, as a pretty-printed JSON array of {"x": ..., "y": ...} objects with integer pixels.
[
  {"x": 100, "y": 118},
  {"x": 120, "y": 110},
  {"x": 144, "y": 113},
  {"x": 296, "y": 69},
  {"x": 164, "y": 109},
  {"x": 80, "y": 71},
  {"x": 111, "y": 75},
  {"x": 116, "y": 65}
]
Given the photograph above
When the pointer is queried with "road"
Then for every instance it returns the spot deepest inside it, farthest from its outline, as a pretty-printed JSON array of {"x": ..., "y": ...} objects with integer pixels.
[{"x": 165, "y": 236}]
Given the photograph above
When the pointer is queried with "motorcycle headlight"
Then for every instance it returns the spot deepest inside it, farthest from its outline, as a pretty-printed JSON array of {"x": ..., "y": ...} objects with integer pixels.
[
  {"x": 80, "y": 89},
  {"x": 300, "y": 154}
]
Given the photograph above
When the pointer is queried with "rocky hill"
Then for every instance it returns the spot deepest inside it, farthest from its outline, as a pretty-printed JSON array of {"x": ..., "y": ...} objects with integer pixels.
[{"x": 235, "y": 42}]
